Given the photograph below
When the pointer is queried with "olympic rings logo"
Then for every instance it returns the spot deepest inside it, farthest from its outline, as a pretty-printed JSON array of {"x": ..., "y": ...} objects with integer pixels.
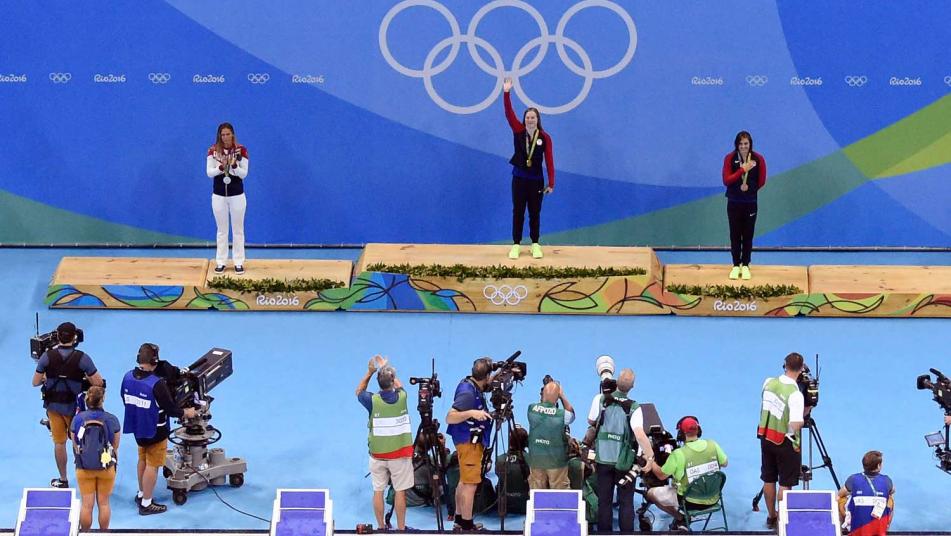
[
  {"x": 159, "y": 78},
  {"x": 505, "y": 294},
  {"x": 60, "y": 78},
  {"x": 497, "y": 68},
  {"x": 856, "y": 81},
  {"x": 258, "y": 78},
  {"x": 757, "y": 80},
  {"x": 947, "y": 80}
]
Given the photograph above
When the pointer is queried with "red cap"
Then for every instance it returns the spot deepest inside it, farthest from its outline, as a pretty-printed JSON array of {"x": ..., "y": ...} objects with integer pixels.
[{"x": 689, "y": 425}]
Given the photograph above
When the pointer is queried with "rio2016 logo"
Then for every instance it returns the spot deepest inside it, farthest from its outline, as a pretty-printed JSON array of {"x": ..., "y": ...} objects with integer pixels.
[{"x": 475, "y": 45}]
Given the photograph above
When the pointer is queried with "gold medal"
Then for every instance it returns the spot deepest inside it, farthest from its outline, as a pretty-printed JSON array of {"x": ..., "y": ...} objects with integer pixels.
[{"x": 528, "y": 162}]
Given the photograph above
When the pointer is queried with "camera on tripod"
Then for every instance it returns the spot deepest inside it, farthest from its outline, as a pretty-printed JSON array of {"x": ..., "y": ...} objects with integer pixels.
[
  {"x": 508, "y": 373},
  {"x": 940, "y": 388},
  {"x": 809, "y": 385},
  {"x": 429, "y": 389}
]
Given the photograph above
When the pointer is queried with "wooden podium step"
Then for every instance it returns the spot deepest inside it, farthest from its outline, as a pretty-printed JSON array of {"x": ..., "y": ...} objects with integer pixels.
[
  {"x": 710, "y": 276},
  {"x": 889, "y": 291}
]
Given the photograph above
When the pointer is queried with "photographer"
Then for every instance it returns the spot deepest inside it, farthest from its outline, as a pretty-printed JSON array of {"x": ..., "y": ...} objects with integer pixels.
[
  {"x": 547, "y": 443},
  {"x": 61, "y": 371},
  {"x": 780, "y": 429},
  {"x": 697, "y": 457},
  {"x": 390, "y": 438},
  {"x": 148, "y": 406},
  {"x": 470, "y": 426},
  {"x": 947, "y": 420},
  {"x": 870, "y": 497},
  {"x": 616, "y": 418}
]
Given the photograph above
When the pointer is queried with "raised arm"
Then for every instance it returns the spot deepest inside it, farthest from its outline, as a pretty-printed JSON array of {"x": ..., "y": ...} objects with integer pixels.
[
  {"x": 516, "y": 125},
  {"x": 730, "y": 176}
]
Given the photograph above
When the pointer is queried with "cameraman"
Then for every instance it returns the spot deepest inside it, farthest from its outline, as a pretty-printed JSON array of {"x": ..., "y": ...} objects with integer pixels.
[
  {"x": 470, "y": 426},
  {"x": 780, "y": 430},
  {"x": 697, "y": 457},
  {"x": 61, "y": 371},
  {"x": 547, "y": 444},
  {"x": 390, "y": 438},
  {"x": 148, "y": 406},
  {"x": 616, "y": 418}
]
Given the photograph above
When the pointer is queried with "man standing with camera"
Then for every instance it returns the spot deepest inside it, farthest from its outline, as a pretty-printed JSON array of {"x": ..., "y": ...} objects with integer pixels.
[
  {"x": 148, "y": 406},
  {"x": 780, "y": 431},
  {"x": 616, "y": 418},
  {"x": 61, "y": 371},
  {"x": 390, "y": 438},
  {"x": 470, "y": 426},
  {"x": 547, "y": 442}
]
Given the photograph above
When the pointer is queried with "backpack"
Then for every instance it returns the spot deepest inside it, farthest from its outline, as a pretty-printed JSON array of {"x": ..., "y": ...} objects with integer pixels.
[
  {"x": 626, "y": 457},
  {"x": 93, "y": 446}
]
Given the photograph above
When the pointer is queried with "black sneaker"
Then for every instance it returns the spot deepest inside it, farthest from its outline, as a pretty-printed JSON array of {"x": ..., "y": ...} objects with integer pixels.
[
  {"x": 238, "y": 269},
  {"x": 772, "y": 522},
  {"x": 476, "y": 527},
  {"x": 154, "y": 508},
  {"x": 678, "y": 526},
  {"x": 220, "y": 269},
  {"x": 59, "y": 483}
]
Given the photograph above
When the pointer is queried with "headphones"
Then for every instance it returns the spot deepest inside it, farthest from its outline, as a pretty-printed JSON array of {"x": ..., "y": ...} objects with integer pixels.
[
  {"x": 681, "y": 435},
  {"x": 148, "y": 354},
  {"x": 481, "y": 368}
]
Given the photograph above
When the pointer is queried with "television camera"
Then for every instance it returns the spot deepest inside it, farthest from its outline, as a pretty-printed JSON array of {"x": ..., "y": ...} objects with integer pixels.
[
  {"x": 507, "y": 374},
  {"x": 191, "y": 465},
  {"x": 941, "y": 389}
]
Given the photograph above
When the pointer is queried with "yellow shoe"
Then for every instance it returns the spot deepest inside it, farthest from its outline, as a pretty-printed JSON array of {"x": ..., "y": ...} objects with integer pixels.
[
  {"x": 735, "y": 272},
  {"x": 536, "y": 250},
  {"x": 745, "y": 272},
  {"x": 513, "y": 253}
]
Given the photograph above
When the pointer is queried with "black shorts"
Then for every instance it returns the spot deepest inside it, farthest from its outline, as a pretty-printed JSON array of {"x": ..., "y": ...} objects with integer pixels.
[{"x": 781, "y": 463}]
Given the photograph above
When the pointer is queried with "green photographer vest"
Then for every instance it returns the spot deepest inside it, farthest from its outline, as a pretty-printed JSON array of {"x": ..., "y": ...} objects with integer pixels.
[
  {"x": 614, "y": 434},
  {"x": 697, "y": 464},
  {"x": 547, "y": 448},
  {"x": 774, "y": 417},
  {"x": 390, "y": 433}
]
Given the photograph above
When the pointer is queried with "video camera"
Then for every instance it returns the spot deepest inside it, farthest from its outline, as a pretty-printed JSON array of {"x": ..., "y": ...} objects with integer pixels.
[
  {"x": 808, "y": 385},
  {"x": 192, "y": 388},
  {"x": 509, "y": 372},
  {"x": 429, "y": 389},
  {"x": 662, "y": 443},
  {"x": 940, "y": 388},
  {"x": 40, "y": 343}
]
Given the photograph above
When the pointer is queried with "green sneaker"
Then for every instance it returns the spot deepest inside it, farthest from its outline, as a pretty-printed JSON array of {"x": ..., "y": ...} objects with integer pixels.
[
  {"x": 735, "y": 272},
  {"x": 536, "y": 250},
  {"x": 513, "y": 253},
  {"x": 745, "y": 272}
]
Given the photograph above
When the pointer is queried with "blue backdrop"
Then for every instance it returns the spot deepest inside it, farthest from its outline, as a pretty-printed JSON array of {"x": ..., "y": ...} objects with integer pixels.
[{"x": 382, "y": 121}]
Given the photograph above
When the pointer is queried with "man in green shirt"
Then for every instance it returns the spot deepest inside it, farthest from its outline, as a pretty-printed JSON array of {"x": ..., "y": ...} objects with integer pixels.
[
  {"x": 547, "y": 444},
  {"x": 697, "y": 457}
]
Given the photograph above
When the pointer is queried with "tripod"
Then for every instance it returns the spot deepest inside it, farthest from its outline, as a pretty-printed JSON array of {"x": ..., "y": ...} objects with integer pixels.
[
  {"x": 816, "y": 438},
  {"x": 501, "y": 415},
  {"x": 436, "y": 461}
]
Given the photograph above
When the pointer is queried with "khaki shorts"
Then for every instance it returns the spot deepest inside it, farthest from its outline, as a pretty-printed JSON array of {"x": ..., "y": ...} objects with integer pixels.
[
  {"x": 548, "y": 478},
  {"x": 398, "y": 470},
  {"x": 59, "y": 426},
  {"x": 96, "y": 482},
  {"x": 154, "y": 454},
  {"x": 470, "y": 462}
]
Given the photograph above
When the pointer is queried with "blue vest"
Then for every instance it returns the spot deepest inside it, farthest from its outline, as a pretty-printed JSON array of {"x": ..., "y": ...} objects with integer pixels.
[
  {"x": 862, "y": 493},
  {"x": 141, "y": 408},
  {"x": 462, "y": 432}
]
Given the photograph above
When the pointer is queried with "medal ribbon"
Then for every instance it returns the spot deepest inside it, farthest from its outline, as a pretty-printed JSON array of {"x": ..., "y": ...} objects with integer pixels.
[{"x": 530, "y": 147}]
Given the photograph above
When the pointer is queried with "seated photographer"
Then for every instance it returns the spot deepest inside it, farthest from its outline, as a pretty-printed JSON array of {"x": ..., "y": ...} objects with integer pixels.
[
  {"x": 148, "y": 406},
  {"x": 390, "y": 438},
  {"x": 513, "y": 467},
  {"x": 870, "y": 498},
  {"x": 61, "y": 371},
  {"x": 547, "y": 442},
  {"x": 616, "y": 419},
  {"x": 697, "y": 457},
  {"x": 470, "y": 426},
  {"x": 95, "y": 434}
]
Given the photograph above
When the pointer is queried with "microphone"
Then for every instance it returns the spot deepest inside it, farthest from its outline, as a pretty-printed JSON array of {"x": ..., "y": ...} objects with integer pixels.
[{"x": 519, "y": 352}]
